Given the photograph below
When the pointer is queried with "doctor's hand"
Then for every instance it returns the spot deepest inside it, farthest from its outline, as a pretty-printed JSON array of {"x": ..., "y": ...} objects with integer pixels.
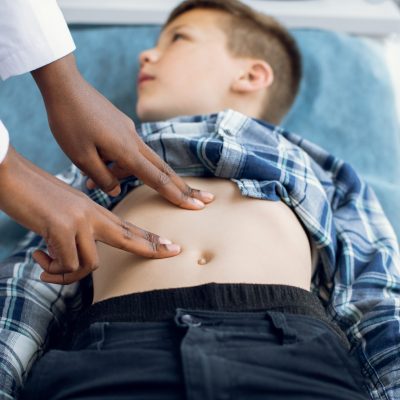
[
  {"x": 69, "y": 222},
  {"x": 93, "y": 133}
]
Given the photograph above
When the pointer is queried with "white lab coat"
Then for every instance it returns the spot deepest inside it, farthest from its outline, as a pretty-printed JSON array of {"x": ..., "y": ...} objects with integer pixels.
[{"x": 33, "y": 33}]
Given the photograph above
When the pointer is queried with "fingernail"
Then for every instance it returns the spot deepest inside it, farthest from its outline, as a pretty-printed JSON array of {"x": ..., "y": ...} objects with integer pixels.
[
  {"x": 164, "y": 241},
  {"x": 198, "y": 202},
  {"x": 90, "y": 184},
  {"x": 115, "y": 192},
  {"x": 207, "y": 195},
  {"x": 173, "y": 247}
]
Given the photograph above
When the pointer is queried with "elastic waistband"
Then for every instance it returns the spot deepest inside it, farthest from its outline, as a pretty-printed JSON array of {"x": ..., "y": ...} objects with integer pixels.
[{"x": 160, "y": 305}]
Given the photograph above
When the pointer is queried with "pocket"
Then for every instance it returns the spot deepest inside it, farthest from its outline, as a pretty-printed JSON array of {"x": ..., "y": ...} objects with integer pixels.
[
  {"x": 329, "y": 354},
  {"x": 349, "y": 362},
  {"x": 319, "y": 337}
]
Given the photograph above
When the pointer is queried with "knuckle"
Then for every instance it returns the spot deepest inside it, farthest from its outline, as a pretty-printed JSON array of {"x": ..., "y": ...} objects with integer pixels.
[
  {"x": 91, "y": 265},
  {"x": 162, "y": 180},
  {"x": 189, "y": 191},
  {"x": 126, "y": 231},
  {"x": 185, "y": 194},
  {"x": 167, "y": 170},
  {"x": 83, "y": 159},
  {"x": 195, "y": 192},
  {"x": 80, "y": 217},
  {"x": 94, "y": 267},
  {"x": 130, "y": 124},
  {"x": 56, "y": 231},
  {"x": 69, "y": 267},
  {"x": 53, "y": 246},
  {"x": 80, "y": 162},
  {"x": 153, "y": 249},
  {"x": 153, "y": 244},
  {"x": 124, "y": 247},
  {"x": 73, "y": 219},
  {"x": 151, "y": 237}
]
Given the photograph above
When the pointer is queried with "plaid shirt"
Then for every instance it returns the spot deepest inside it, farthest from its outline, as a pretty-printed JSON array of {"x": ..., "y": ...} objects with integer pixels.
[{"x": 357, "y": 275}]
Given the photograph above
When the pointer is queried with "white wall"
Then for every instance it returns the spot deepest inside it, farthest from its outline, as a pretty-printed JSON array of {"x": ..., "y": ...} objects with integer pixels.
[{"x": 373, "y": 17}]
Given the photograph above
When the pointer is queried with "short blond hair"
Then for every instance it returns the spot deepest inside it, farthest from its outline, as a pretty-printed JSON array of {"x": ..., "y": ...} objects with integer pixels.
[{"x": 254, "y": 34}]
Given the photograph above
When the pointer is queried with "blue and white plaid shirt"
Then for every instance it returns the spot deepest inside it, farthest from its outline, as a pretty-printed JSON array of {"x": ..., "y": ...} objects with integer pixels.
[{"x": 357, "y": 276}]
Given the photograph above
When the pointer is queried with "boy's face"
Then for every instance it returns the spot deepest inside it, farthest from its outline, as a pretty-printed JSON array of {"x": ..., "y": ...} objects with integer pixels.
[{"x": 189, "y": 71}]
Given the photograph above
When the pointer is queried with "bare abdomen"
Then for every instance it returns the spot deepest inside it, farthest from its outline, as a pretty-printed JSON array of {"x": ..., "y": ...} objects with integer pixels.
[{"x": 235, "y": 239}]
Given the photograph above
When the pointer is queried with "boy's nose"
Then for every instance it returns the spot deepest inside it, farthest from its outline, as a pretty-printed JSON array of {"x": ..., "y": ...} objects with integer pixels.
[{"x": 150, "y": 55}]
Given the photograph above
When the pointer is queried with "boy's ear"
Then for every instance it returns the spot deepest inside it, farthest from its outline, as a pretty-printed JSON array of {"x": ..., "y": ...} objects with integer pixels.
[{"x": 256, "y": 75}]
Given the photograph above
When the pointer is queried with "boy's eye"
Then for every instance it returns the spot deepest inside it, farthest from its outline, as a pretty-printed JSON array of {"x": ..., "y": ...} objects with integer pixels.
[{"x": 177, "y": 36}]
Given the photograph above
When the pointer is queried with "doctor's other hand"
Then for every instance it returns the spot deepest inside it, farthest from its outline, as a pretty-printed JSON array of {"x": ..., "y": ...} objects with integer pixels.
[
  {"x": 94, "y": 133},
  {"x": 69, "y": 222}
]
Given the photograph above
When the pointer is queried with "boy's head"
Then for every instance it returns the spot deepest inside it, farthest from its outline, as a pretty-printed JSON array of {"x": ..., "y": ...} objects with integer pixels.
[{"x": 218, "y": 54}]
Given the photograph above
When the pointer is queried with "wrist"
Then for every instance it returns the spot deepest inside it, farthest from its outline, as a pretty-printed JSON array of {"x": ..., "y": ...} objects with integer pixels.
[
  {"x": 57, "y": 78},
  {"x": 5, "y": 165},
  {"x": 9, "y": 164},
  {"x": 20, "y": 186}
]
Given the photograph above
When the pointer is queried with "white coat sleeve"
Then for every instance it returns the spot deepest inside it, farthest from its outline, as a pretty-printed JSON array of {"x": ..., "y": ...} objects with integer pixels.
[
  {"x": 3, "y": 141},
  {"x": 33, "y": 33}
]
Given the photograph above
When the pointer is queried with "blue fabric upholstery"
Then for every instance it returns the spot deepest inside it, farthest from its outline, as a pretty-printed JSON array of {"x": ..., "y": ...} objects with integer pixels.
[{"x": 346, "y": 104}]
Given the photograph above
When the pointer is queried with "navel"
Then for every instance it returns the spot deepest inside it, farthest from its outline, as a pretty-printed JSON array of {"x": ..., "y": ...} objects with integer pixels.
[
  {"x": 205, "y": 258},
  {"x": 202, "y": 261}
]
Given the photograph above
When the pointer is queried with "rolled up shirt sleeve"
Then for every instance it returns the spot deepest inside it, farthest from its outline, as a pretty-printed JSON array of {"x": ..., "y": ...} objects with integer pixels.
[
  {"x": 33, "y": 33},
  {"x": 3, "y": 141}
]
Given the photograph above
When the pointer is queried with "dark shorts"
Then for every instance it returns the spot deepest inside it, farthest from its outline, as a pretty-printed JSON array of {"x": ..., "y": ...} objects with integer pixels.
[{"x": 236, "y": 349}]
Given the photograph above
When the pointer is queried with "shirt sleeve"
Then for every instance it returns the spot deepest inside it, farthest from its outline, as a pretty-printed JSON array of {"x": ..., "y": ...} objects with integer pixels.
[
  {"x": 4, "y": 140},
  {"x": 366, "y": 297},
  {"x": 358, "y": 271},
  {"x": 33, "y": 33}
]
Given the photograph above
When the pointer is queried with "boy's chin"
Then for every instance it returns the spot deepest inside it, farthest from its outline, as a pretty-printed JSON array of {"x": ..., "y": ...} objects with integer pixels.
[{"x": 153, "y": 115}]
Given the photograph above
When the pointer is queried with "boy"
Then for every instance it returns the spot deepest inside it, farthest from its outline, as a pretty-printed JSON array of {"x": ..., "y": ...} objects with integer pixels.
[{"x": 217, "y": 345}]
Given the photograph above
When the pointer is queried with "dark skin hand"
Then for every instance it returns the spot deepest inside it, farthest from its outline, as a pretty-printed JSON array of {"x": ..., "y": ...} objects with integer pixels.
[
  {"x": 92, "y": 132},
  {"x": 42, "y": 202}
]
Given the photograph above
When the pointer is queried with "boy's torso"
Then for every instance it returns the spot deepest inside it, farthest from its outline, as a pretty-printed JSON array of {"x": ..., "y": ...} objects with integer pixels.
[{"x": 238, "y": 240}]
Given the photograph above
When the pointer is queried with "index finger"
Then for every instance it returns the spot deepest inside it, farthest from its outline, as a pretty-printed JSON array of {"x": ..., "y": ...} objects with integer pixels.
[
  {"x": 124, "y": 235},
  {"x": 156, "y": 173}
]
